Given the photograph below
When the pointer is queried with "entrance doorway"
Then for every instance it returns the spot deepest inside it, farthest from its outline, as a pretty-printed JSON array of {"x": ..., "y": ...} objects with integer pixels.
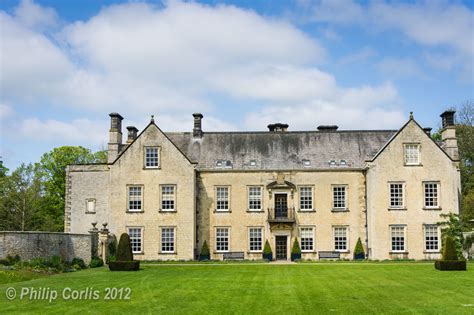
[{"x": 281, "y": 247}]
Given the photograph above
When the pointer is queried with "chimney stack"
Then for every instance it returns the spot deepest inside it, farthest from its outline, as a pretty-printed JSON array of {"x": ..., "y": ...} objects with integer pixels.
[
  {"x": 132, "y": 133},
  {"x": 115, "y": 136},
  {"x": 327, "y": 128},
  {"x": 197, "y": 130},
  {"x": 448, "y": 134},
  {"x": 278, "y": 127}
]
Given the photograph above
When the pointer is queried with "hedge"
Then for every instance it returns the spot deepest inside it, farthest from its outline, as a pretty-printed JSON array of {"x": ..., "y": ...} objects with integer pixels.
[
  {"x": 450, "y": 265},
  {"x": 124, "y": 265}
]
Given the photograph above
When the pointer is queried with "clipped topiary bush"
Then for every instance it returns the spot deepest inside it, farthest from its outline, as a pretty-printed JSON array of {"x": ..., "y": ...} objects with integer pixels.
[
  {"x": 450, "y": 259},
  {"x": 124, "y": 260},
  {"x": 267, "y": 251},
  {"x": 359, "y": 250},
  {"x": 295, "y": 251},
  {"x": 205, "y": 253},
  {"x": 96, "y": 262}
]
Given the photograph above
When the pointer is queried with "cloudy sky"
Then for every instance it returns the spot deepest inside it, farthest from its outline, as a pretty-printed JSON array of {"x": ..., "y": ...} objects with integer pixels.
[{"x": 65, "y": 65}]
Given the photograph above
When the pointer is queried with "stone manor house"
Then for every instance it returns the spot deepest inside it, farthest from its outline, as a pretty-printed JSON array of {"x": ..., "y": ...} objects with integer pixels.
[{"x": 171, "y": 191}]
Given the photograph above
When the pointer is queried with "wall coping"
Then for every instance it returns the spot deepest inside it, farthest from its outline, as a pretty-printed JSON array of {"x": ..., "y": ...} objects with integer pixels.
[{"x": 41, "y": 232}]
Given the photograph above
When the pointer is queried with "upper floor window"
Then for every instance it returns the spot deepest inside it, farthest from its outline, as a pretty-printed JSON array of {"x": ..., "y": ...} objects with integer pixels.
[
  {"x": 340, "y": 238},
  {"x": 90, "y": 205},
  {"x": 397, "y": 234},
  {"x": 412, "y": 154},
  {"x": 135, "y": 198},
  {"x": 307, "y": 239},
  {"x": 339, "y": 197},
  {"x": 255, "y": 239},
  {"x": 431, "y": 194},
  {"x": 222, "y": 198},
  {"x": 136, "y": 239},
  {"x": 397, "y": 199},
  {"x": 168, "y": 198},
  {"x": 255, "y": 198},
  {"x": 431, "y": 238},
  {"x": 152, "y": 157},
  {"x": 222, "y": 239},
  {"x": 306, "y": 198},
  {"x": 167, "y": 240}
]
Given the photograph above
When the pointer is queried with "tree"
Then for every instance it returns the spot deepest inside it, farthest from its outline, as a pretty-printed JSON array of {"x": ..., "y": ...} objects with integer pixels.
[
  {"x": 52, "y": 169},
  {"x": 21, "y": 196},
  {"x": 453, "y": 227}
]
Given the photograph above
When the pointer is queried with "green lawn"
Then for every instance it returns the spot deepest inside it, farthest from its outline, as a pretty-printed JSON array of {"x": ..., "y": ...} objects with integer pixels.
[{"x": 399, "y": 288}]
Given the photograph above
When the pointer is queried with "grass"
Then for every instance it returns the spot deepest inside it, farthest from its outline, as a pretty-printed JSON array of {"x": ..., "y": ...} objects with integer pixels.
[{"x": 398, "y": 288}]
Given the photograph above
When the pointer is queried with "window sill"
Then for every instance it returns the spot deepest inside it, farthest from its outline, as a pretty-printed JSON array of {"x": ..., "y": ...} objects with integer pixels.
[
  {"x": 255, "y": 211},
  {"x": 222, "y": 211},
  {"x": 308, "y": 211},
  {"x": 91, "y": 212},
  {"x": 167, "y": 253},
  {"x": 167, "y": 211},
  {"x": 152, "y": 168},
  {"x": 309, "y": 252},
  {"x": 342, "y": 251},
  {"x": 433, "y": 208},
  {"x": 397, "y": 209},
  {"x": 431, "y": 252},
  {"x": 398, "y": 253},
  {"x": 409, "y": 165},
  {"x": 221, "y": 252},
  {"x": 134, "y": 211},
  {"x": 339, "y": 210},
  {"x": 138, "y": 253},
  {"x": 255, "y": 252}
]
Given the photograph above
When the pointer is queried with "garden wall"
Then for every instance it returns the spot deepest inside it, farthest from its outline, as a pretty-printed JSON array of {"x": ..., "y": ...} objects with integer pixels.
[{"x": 29, "y": 245}]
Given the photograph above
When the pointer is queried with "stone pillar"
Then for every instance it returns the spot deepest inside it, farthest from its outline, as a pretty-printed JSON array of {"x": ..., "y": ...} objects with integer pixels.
[
  {"x": 94, "y": 232},
  {"x": 104, "y": 242}
]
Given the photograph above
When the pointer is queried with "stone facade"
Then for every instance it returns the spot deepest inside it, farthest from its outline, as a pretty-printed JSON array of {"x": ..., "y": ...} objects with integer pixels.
[
  {"x": 29, "y": 245},
  {"x": 326, "y": 188}
]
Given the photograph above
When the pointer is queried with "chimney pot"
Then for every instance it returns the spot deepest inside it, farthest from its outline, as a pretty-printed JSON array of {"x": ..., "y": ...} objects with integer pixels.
[
  {"x": 428, "y": 130},
  {"x": 197, "y": 130},
  {"x": 278, "y": 127},
  {"x": 448, "y": 118},
  {"x": 132, "y": 133}
]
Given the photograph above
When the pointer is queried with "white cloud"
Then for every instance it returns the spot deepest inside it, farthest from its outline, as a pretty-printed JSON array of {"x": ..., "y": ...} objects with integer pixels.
[
  {"x": 35, "y": 16},
  {"x": 361, "y": 55},
  {"x": 400, "y": 67},
  {"x": 5, "y": 111}
]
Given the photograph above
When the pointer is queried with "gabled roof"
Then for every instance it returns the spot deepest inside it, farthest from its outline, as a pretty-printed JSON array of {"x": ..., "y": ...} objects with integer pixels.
[{"x": 283, "y": 150}]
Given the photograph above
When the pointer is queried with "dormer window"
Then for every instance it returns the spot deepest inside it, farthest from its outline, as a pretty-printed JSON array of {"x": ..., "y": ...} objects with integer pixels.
[
  {"x": 219, "y": 163},
  {"x": 253, "y": 163},
  {"x": 412, "y": 154},
  {"x": 152, "y": 157},
  {"x": 343, "y": 163},
  {"x": 223, "y": 164},
  {"x": 306, "y": 162},
  {"x": 332, "y": 163}
]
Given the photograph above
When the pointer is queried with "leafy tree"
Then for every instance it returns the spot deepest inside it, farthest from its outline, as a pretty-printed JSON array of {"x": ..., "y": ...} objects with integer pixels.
[
  {"x": 21, "y": 196},
  {"x": 453, "y": 227},
  {"x": 52, "y": 169}
]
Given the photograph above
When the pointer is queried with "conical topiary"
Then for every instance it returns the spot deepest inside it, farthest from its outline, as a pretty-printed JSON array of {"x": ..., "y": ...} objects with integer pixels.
[
  {"x": 267, "y": 251},
  {"x": 295, "y": 251},
  {"x": 449, "y": 250},
  {"x": 205, "y": 253},
  {"x": 124, "y": 250},
  {"x": 359, "y": 250}
]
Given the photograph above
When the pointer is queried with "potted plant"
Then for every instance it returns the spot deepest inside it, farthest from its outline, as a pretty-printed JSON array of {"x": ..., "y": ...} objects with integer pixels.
[
  {"x": 205, "y": 254},
  {"x": 450, "y": 259},
  {"x": 267, "y": 252},
  {"x": 124, "y": 260},
  {"x": 359, "y": 253},
  {"x": 295, "y": 251}
]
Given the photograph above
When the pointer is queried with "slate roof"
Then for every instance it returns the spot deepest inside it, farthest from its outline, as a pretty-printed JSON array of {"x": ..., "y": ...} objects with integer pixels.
[{"x": 281, "y": 150}]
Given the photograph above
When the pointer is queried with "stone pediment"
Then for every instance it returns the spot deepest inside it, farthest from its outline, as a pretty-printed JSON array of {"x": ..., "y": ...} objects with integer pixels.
[{"x": 281, "y": 226}]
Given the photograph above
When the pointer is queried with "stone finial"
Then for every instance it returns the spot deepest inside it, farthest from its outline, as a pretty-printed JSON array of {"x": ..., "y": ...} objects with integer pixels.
[
  {"x": 411, "y": 115},
  {"x": 152, "y": 120}
]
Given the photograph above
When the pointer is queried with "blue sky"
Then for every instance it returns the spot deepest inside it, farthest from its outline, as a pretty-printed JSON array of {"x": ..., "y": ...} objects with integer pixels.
[{"x": 65, "y": 65}]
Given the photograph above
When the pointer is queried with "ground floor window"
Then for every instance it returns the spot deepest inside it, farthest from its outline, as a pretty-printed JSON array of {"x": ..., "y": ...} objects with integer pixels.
[
  {"x": 398, "y": 238},
  {"x": 167, "y": 240},
  {"x": 431, "y": 238},
  {"x": 340, "y": 238},
  {"x": 222, "y": 239},
  {"x": 136, "y": 241},
  {"x": 255, "y": 239},
  {"x": 307, "y": 239}
]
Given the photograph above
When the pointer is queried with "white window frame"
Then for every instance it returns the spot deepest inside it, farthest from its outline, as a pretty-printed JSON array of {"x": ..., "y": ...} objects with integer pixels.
[
  {"x": 135, "y": 198},
  {"x": 311, "y": 196},
  {"x": 335, "y": 229},
  {"x": 90, "y": 201},
  {"x": 254, "y": 198},
  {"x": 408, "y": 156},
  {"x": 220, "y": 238},
  {"x": 132, "y": 237},
  {"x": 390, "y": 197},
  {"x": 163, "y": 198},
  {"x": 427, "y": 237},
  {"x": 307, "y": 248},
  {"x": 168, "y": 240},
  {"x": 396, "y": 228},
  {"x": 334, "y": 187},
  {"x": 437, "y": 197},
  {"x": 220, "y": 198},
  {"x": 147, "y": 158},
  {"x": 255, "y": 243}
]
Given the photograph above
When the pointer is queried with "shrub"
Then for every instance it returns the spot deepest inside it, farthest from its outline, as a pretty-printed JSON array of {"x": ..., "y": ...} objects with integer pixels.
[
  {"x": 124, "y": 265},
  {"x": 124, "y": 249},
  {"x": 359, "y": 250},
  {"x": 449, "y": 250},
  {"x": 295, "y": 251},
  {"x": 267, "y": 251},
  {"x": 96, "y": 262},
  {"x": 450, "y": 265},
  {"x": 205, "y": 253},
  {"x": 79, "y": 262},
  {"x": 10, "y": 260},
  {"x": 4, "y": 262},
  {"x": 112, "y": 247}
]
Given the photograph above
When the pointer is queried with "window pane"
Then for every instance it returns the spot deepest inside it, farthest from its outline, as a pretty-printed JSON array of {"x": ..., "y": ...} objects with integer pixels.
[
  {"x": 167, "y": 240},
  {"x": 255, "y": 239},
  {"x": 396, "y": 195},
  {"x": 167, "y": 197},
  {"x": 431, "y": 238},
  {"x": 135, "y": 235},
  {"x": 340, "y": 238},
  {"x": 431, "y": 195},
  {"x": 306, "y": 198},
  {"x": 339, "y": 197},
  {"x": 398, "y": 238},
  {"x": 412, "y": 154},
  {"x": 151, "y": 157},
  {"x": 222, "y": 239},
  {"x": 255, "y": 198},
  {"x": 134, "y": 198},
  {"x": 222, "y": 198},
  {"x": 307, "y": 239}
]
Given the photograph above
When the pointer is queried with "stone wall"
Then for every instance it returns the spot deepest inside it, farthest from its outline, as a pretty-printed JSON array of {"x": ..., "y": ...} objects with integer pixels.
[{"x": 29, "y": 245}]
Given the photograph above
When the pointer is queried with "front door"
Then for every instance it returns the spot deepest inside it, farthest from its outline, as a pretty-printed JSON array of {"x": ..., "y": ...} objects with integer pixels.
[
  {"x": 281, "y": 247},
  {"x": 281, "y": 206}
]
